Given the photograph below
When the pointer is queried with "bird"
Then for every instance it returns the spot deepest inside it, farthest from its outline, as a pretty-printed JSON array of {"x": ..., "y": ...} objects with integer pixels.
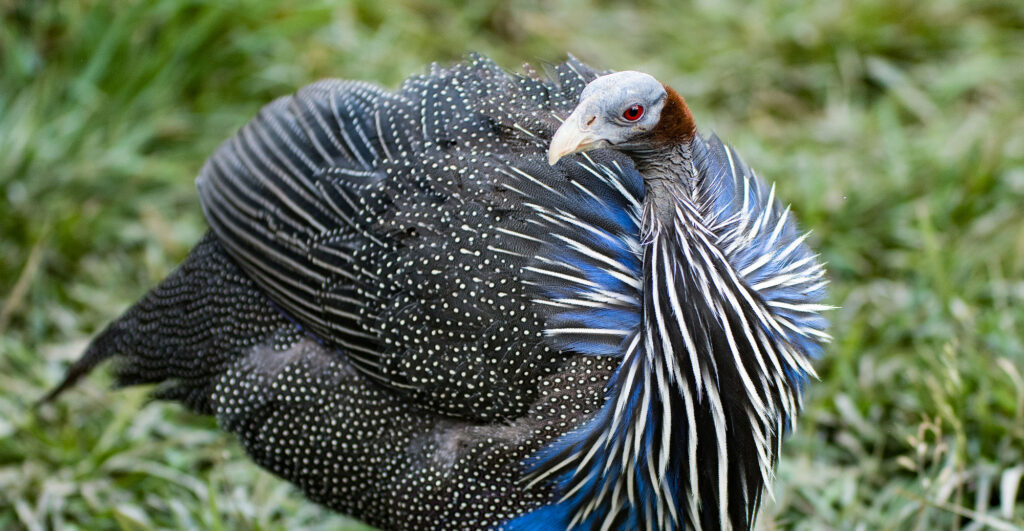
[{"x": 490, "y": 300}]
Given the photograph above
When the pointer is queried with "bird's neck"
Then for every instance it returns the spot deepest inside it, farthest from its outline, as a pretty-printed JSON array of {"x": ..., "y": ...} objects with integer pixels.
[
  {"x": 669, "y": 163},
  {"x": 663, "y": 159},
  {"x": 670, "y": 179}
]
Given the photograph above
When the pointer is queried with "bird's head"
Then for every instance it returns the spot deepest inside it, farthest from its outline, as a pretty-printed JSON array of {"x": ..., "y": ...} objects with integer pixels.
[{"x": 628, "y": 111}]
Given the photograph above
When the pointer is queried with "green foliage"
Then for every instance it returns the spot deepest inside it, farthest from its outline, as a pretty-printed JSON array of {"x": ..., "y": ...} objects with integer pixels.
[{"x": 895, "y": 128}]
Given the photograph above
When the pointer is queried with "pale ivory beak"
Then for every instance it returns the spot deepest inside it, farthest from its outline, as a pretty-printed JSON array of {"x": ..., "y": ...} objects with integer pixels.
[{"x": 571, "y": 138}]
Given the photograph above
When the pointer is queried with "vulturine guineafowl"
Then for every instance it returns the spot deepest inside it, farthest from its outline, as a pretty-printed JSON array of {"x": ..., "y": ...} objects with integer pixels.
[{"x": 420, "y": 309}]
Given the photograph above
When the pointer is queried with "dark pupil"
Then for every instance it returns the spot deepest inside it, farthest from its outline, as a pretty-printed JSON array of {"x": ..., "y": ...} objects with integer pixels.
[{"x": 633, "y": 112}]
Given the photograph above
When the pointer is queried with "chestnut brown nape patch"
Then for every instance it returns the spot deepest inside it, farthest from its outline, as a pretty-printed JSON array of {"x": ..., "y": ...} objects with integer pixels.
[{"x": 676, "y": 125}]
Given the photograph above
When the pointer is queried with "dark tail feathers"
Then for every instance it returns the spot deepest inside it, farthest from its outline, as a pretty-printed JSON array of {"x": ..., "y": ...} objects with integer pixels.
[
  {"x": 185, "y": 331},
  {"x": 98, "y": 352}
]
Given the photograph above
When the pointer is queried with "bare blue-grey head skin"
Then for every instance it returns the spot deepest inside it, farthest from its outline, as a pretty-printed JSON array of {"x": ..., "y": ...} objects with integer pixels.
[{"x": 598, "y": 121}]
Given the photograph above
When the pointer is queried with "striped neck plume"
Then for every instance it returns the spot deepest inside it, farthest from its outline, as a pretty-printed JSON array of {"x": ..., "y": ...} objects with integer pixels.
[{"x": 710, "y": 379}]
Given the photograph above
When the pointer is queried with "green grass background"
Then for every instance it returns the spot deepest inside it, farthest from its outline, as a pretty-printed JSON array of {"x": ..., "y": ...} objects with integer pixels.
[{"x": 894, "y": 127}]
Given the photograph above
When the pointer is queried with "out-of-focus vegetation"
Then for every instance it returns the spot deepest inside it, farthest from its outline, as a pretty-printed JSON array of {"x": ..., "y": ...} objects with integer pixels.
[{"x": 894, "y": 127}]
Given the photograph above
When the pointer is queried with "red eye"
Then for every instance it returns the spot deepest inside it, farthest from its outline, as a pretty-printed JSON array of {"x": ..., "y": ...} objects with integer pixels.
[{"x": 633, "y": 113}]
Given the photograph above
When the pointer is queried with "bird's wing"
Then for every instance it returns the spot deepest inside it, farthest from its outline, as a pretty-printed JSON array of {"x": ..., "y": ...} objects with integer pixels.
[{"x": 422, "y": 234}]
